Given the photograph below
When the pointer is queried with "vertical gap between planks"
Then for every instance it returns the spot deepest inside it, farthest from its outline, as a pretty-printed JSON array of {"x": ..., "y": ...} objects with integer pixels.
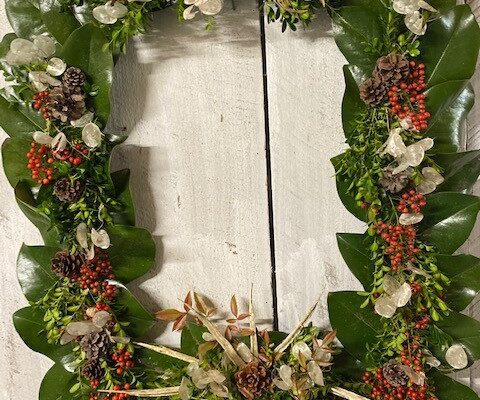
[{"x": 268, "y": 160}]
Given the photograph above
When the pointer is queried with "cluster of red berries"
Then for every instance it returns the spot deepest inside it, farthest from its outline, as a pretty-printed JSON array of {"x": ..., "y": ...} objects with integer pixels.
[
  {"x": 75, "y": 157},
  {"x": 114, "y": 396},
  {"x": 101, "y": 306},
  {"x": 423, "y": 322},
  {"x": 400, "y": 239},
  {"x": 39, "y": 100},
  {"x": 38, "y": 162},
  {"x": 93, "y": 276},
  {"x": 408, "y": 100},
  {"x": 412, "y": 202},
  {"x": 416, "y": 287},
  {"x": 123, "y": 359}
]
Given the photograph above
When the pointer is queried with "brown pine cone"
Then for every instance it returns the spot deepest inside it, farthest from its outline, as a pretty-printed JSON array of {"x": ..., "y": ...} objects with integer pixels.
[
  {"x": 95, "y": 344},
  {"x": 67, "y": 265},
  {"x": 394, "y": 374},
  {"x": 392, "y": 69},
  {"x": 73, "y": 77},
  {"x": 395, "y": 183},
  {"x": 253, "y": 380},
  {"x": 373, "y": 91},
  {"x": 92, "y": 370},
  {"x": 66, "y": 104},
  {"x": 68, "y": 191}
]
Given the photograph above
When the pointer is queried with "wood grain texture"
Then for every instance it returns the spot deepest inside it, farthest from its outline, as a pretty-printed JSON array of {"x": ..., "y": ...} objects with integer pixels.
[{"x": 305, "y": 89}]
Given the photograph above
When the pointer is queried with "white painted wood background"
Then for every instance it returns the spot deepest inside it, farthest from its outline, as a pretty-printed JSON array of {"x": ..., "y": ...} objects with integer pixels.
[{"x": 193, "y": 103}]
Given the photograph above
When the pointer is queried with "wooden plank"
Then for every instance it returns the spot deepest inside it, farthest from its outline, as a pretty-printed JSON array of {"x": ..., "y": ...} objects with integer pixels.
[
  {"x": 193, "y": 104},
  {"x": 305, "y": 86}
]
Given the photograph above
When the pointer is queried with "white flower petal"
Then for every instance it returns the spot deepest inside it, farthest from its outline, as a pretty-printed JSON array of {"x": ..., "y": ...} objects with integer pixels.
[
  {"x": 385, "y": 306},
  {"x": 83, "y": 120},
  {"x": 189, "y": 13},
  {"x": 219, "y": 390},
  {"x": 315, "y": 373},
  {"x": 406, "y": 6},
  {"x": 59, "y": 142},
  {"x": 432, "y": 174},
  {"x": 100, "y": 238},
  {"x": 117, "y": 10},
  {"x": 91, "y": 252},
  {"x": 81, "y": 234},
  {"x": 91, "y": 135},
  {"x": 426, "y": 187},
  {"x": 281, "y": 384},
  {"x": 80, "y": 328},
  {"x": 45, "y": 46},
  {"x": 244, "y": 352},
  {"x": 56, "y": 66},
  {"x": 390, "y": 284},
  {"x": 415, "y": 23},
  {"x": 418, "y": 378},
  {"x": 410, "y": 219},
  {"x": 42, "y": 138},
  {"x": 394, "y": 144},
  {"x": 66, "y": 338},
  {"x": 211, "y": 7},
  {"x": 101, "y": 318},
  {"x": 101, "y": 14},
  {"x": 184, "y": 390},
  {"x": 285, "y": 373},
  {"x": 301, "y": 347},
  {"x": 402, "y": 166},
  {"x": 456, "y": 356},
  {"x": 403, "y": 295}
]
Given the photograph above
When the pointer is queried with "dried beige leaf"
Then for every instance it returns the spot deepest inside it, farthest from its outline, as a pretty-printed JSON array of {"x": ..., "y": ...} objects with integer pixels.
[{"x": 169, "y": 352}]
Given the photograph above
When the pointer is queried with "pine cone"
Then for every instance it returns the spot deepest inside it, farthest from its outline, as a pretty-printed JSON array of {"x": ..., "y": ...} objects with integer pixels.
[
  {"x": 395, "y": 183},
  {"x": 67, "y": 265},
  {"x": 95, "y": 344},
  {"x": 373, "y": 91},
  {"x": 66, "y": 104},
  {"x": 392, "y": 69},
  {"x": 68, "y": 192},
  {"x": 253, "y": 380},
  {"x": 394, "y": 374},
  {"x": 93, "y": 370},
  {"x": 73, "y": 77}
]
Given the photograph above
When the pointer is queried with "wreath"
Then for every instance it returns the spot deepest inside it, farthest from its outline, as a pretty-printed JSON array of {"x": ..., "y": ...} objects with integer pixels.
[{"x": 407, "y": 97}]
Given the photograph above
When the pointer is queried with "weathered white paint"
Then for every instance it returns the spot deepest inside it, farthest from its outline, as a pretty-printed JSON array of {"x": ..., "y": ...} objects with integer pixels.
[{"x": 193, "y": 104}]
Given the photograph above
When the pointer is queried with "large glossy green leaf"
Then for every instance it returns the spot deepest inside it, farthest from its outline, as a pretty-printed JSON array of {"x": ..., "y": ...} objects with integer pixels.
[
  {"x": 461, "y": 170},
  {"x": 14, "y": 158},
  {"x": 121, "y": 183},
  {"x": 354, "y": 27},
  {"x": 192, "y": 338},
  {"x": 29, "y": 324},
  {"x": 450, "y": 46},
  {"x": 347, "y": 368},
  {"x": 447, "y": 388},
  {"x": 15, "y": 121},
  {"x": 132, "y": 252},
  {"x": 85, "y": 49},
  {"x": 347, "y": 199},
  {"x": 352, "y": 104},
  {"x": 463, "y": 270},
  {"x": 128, "y": 309},
  {"x": 34, "y": 270},
  {"x": 25, "y": 17},
  {"x": 355, "y": 252},
  {"x": 59, "y": 23},
  {"x": 449, "y": 103},
  {"x": 150, "y": 359},
  {"x": 356, "y": 327},
  {"x": 27, "y": 204},
  {"x": 57, "y": 383},
  {"x": 449, "y": 219}
]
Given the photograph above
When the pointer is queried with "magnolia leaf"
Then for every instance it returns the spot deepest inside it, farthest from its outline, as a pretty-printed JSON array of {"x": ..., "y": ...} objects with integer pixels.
[
  {"x": 14, "y": 156},
  {"x": 56, "y": 384},
  {"x": 25, "y": 18},
  {"x": 84, "y": 49},
  {"x": 461, "y": 170},
  {"x": 58, "y": 22},
  {"x": 121, "y": 183},
  {"x": 357, "y": 328},
  {"x": 30, "y": 326},
  {"x": 34, "y": 271},
  {"x": 192, "y": 338},
  {"x": 354, "y": 250},
  {"x": 447, "y": 388},
  {"x": 449, "y": 219}
]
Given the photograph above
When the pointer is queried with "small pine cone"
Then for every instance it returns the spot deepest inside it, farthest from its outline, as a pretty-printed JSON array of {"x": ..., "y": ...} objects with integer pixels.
[
  {"x": 373, "y": 91},
  {"x": 395, "y": 183},
  {"x": 68, "y": 191},
  {"x": 95, "y": 344},
  {"x": 67, "y": 265},
  {"x": 73, "y": 77},
  {"x": 394, "y": 374},
  {"x": 66, "y": 103},
  {"x": 93, "y": 370},
  {"x": 392, "y": 69},
  {"x": 253, "y": 380}
]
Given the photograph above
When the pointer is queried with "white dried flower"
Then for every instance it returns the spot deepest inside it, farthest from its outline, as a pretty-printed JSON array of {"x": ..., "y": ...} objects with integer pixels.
[
  {"x": 100, "y": 238},
  {"x": 91, "y": 135},
  {"x": 23, "y": 51},
  {"x": 431, "y": 179},
  {"x": 414, "y": 20},
  {"x": 45, "y": 46},
  {"x": 56, "y": 66},
  {"x": 100, "y": 318},
  {"x": 315, "y": 373},
  {"x": 42, "y": 138},
  {"x": 410, "y": 218},
  {"x": 41, "y": 80},
  {"x": 82, "y": 235},
  {"x": 59, "y": 142},
  {"x": 456, "y": 356},
  {"x": 301, "y": 347},
  {"x": 285, "y": 374},
  {"x": 206, "y": 7},
  {"x": 184, "y": 391},
  {"x": 396, "y": 295},
  {"x": 244, "y": 352},
  {"x": 109, "y": 13},
  {"x": 83, "y": 120}
]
